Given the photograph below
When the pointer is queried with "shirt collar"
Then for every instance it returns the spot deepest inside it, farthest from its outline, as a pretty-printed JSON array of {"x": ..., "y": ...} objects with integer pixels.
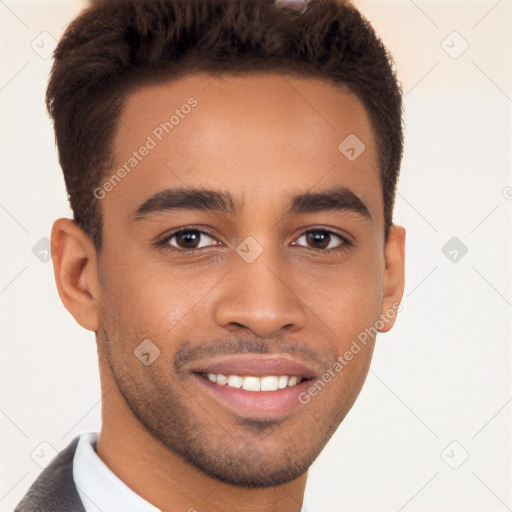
[{"x": 99, "y": 488}]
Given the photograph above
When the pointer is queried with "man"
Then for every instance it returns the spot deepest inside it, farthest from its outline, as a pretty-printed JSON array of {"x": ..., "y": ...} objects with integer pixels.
[{"x": 232, "y": 169}]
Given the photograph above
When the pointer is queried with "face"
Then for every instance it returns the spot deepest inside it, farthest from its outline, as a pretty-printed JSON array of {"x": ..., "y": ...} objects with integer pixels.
[{"x": 244, "y": 246}]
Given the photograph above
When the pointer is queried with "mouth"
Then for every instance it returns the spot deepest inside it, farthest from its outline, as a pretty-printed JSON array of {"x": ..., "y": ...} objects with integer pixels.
[
  {"x": 255, "y": 387},
  {"x": 254, "y": 383}
]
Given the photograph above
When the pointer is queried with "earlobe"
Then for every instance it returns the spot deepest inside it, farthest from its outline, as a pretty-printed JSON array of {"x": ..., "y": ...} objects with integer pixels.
[
  {"x": 394, "y": 276},
  {"x": 75, "y": 268}
]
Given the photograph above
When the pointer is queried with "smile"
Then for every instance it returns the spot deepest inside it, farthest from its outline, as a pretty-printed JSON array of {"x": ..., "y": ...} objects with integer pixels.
[
  {"x": 254, "y": 383},
  {"x": 254, "y": 386}
]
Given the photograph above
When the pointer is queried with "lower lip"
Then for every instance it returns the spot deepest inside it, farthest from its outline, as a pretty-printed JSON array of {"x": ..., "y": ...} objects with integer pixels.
[{"x": 275, "y": 403}]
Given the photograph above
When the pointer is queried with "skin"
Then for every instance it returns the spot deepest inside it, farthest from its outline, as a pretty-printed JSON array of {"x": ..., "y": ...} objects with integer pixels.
[{"x": 261, "y": 138}]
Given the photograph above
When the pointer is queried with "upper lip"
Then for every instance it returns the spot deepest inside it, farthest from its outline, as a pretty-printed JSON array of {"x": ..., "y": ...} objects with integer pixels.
[{"x": 258, "y": 366}]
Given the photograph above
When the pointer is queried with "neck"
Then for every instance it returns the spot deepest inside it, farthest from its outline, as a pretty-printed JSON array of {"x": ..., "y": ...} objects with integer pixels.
[{"x": 164, "y": 479}]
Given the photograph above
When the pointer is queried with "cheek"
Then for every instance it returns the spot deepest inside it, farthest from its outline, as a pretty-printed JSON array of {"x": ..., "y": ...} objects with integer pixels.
[
  {"x": 151, "y": 298},
  {"x": 351, "y": 308},
  {"x": 347, "y": 298}
]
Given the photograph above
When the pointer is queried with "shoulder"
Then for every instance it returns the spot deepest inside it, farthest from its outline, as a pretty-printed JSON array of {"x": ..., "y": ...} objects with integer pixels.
[{"x": 54, "y": 489}]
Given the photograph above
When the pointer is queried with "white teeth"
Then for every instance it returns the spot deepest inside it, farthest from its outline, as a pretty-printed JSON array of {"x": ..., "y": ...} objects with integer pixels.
[
  {"x": 283, "y": 382},
  {"x": 235, "y": 381},
  {"x": 252, "y": 383},
  {"x": 292, "y": 381},
  {"x": 221, "y": 379},
  {"x": 269, "y": 383}
]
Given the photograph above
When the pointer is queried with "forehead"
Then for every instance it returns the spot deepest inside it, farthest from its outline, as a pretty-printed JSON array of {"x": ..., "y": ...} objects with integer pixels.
[{"x": 259, "y": 134}]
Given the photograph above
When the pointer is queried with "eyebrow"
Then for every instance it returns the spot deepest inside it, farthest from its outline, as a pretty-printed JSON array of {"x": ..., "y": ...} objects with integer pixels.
[
  {"x": 185, "y": 198},
  {"x": 340, "y": 198}
]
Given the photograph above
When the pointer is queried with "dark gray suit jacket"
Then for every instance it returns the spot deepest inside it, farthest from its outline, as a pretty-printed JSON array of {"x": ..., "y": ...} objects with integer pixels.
[{"x": 54, "y": 490}]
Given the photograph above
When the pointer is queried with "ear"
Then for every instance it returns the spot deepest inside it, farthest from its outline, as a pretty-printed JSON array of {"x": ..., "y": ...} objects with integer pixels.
[
  {"x": 394, "y": 276},
  {"x": 75, "y": 267}
]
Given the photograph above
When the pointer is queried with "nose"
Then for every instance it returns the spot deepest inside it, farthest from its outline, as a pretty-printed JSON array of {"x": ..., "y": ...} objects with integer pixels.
[{"x": 259, "y": 296}]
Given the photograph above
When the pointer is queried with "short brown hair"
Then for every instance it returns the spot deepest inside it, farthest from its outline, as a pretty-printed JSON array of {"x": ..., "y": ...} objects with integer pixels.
[{"x": 114, "y": 46}]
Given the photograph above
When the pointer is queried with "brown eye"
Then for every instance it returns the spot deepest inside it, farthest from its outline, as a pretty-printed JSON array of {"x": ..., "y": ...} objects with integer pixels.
[
  {"x": 322, "y": 239},
  {"x": 189, "y": 239}
]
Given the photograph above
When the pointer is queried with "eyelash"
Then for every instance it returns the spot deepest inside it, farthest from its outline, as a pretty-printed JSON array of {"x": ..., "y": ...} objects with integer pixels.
[{"x": 163, "y": 243}]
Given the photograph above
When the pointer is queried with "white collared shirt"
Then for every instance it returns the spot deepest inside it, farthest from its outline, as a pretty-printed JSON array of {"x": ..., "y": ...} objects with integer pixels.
[{"x": 99, "y": 488}]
